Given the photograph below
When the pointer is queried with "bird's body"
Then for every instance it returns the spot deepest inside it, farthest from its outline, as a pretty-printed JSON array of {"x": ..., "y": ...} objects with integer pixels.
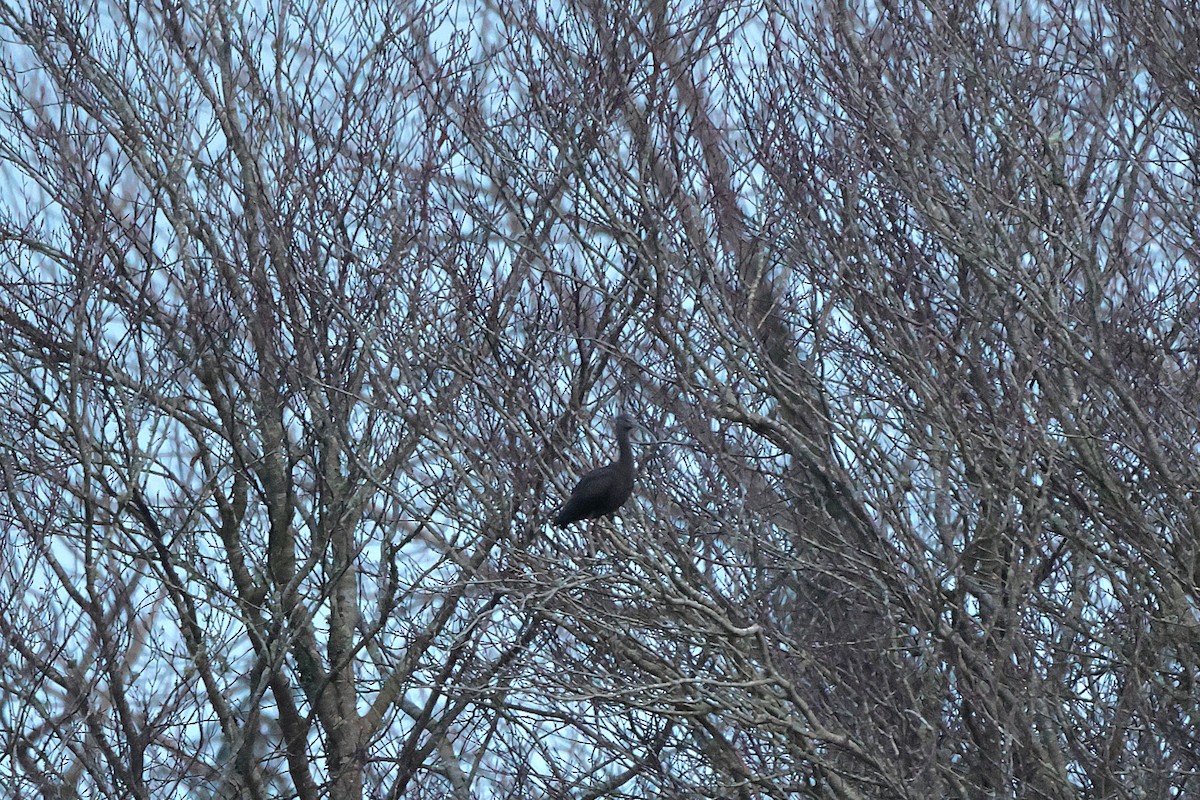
[{"x": 605, "y": 489}]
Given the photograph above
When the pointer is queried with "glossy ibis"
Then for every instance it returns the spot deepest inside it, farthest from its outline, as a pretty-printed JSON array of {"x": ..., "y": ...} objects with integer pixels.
[{"x": 605, "y": 489}]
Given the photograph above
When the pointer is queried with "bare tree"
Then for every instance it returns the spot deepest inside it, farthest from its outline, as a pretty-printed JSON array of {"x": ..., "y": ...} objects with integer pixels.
[
  {"x": 311, "y": 314},
  {"x": 247, "y": 543}
]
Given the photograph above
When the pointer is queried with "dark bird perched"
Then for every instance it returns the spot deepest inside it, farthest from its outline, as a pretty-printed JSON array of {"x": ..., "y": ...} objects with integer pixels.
[{"x": 605, "y": 489}]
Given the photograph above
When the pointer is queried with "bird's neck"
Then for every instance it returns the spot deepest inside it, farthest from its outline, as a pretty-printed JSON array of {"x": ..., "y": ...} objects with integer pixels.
[{"x": 626, "y": 452}]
